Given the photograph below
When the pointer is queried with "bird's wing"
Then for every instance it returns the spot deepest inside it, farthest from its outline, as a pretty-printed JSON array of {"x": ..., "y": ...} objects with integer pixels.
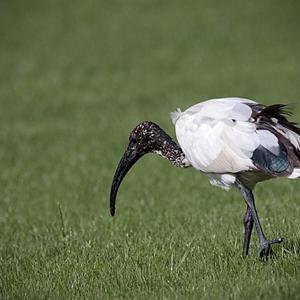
[
  {"x": 217, "y": 137},
  {"x": 215, "y": 108},
  {"x": 236, "y": 135},
  {"x": 274, "y": 116},
  {"x": 286, "y": 162}
]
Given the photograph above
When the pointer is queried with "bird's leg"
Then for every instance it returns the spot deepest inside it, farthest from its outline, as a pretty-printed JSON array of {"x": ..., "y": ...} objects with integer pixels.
[
  {"x": 265, "y": 248},
  {"x": 248, "y": 225}
]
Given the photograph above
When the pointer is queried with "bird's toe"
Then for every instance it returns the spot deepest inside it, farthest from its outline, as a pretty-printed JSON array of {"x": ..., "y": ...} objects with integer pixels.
[{"x": 265, "y": 249}]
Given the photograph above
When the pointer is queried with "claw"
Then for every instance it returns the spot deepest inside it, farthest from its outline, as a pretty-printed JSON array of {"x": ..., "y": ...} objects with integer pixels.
[{"x": 265, "y": 249}]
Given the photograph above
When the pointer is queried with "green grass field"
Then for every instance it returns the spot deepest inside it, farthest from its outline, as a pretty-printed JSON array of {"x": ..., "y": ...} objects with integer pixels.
[{"x": 76, "y": 77}]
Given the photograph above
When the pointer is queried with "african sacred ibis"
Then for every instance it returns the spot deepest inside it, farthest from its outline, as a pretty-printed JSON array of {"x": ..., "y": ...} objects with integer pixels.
[{"x": 234, "y": 141}]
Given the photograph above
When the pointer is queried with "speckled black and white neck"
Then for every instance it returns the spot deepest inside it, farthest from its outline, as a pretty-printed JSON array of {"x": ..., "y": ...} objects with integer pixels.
[{"x": 149, "y": 137}]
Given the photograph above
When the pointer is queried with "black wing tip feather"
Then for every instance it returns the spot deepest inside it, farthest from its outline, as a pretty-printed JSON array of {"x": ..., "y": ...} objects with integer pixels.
[
  {"x": 280, "y": 112},
  {"x": 281, "y": 109}
]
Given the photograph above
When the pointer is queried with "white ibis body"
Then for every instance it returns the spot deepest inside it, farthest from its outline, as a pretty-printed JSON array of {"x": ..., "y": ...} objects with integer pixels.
[{"x": 234, "y": 141}]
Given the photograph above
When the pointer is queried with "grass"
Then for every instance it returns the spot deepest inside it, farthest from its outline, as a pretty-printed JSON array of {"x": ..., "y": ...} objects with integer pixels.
[{"x": 75, "y": 78}]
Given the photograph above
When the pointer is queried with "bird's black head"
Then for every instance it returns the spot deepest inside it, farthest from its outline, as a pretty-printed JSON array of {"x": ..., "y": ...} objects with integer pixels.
[{"x": 145, "y": 138}]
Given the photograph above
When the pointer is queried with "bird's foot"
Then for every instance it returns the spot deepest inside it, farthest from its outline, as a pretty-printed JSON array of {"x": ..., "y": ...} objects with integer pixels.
[{"x": 265, "y": 249}]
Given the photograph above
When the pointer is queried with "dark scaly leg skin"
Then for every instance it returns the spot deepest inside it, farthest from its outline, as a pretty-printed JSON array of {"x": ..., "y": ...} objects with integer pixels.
[
  {"x": 265, "y": 246},
  {"x": 248, "y": 225}
]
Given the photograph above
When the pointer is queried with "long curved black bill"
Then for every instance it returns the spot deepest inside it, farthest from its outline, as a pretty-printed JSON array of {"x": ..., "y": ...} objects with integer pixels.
[{"x": 129, "y": 158}]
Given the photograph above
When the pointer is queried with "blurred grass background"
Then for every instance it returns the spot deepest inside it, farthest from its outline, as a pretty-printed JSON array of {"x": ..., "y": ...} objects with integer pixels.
[{"x": 76, "y": 77}]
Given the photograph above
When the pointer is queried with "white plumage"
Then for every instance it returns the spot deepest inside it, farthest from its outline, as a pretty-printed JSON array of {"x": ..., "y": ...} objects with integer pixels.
[{"x": 219, "y": 137}]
